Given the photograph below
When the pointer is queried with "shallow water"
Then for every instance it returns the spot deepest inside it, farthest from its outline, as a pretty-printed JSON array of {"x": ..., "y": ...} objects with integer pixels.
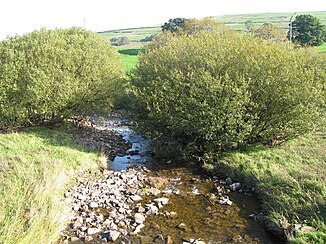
[{"x": 192, "y": 196}]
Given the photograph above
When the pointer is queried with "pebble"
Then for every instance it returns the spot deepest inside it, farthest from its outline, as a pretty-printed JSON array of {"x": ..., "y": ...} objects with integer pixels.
[
  {"x": 138, "y": 228},
  {"x": 228, "y": 181},
  {"x": 152, "y": 209},
  {"x": 173, "y": 214},
  {"x": 93, "y": 205},
  {"x": 113, "y": 235},
  {"x": 136, "y": 198},
  {"x": 92, "y": 231},
  {"x": 182, "y": 227},
  {"x": 225, "y": 201},
  {"x": 139, "y": 218},
  {"x": 162, "y": 200}
]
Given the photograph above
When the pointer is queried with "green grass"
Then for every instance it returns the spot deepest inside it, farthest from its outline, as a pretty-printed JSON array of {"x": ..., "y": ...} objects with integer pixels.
[
  {"x": 237, "y": 22},
  {"x": 37, "y": 165},
  {"x": 129, "y": 56},
  {"x": 290, "y": 180},
  {"x": 322, "y": 48}
]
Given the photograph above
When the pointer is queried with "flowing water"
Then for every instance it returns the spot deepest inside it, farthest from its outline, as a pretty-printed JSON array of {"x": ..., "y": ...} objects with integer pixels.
[{"x": 193, "y": 200}]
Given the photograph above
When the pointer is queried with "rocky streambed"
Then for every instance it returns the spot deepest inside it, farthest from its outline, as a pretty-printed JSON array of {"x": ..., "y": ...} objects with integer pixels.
[{"x": 136, "y": 201}]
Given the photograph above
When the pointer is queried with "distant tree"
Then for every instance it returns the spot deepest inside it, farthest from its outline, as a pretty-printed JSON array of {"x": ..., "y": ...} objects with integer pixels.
[
  {"x": 119, "y": 41},
  {"x": 195, "y": 26},
  {"x": 250, "y": 26},
  {"x": 173, "y": 25},
  {"x": 269, "y": 32},
  {"x": 308, "y": 31}
]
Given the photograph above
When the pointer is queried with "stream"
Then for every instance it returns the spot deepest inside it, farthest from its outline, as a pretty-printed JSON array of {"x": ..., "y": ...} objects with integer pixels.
[{"x": 200, "y": 208}]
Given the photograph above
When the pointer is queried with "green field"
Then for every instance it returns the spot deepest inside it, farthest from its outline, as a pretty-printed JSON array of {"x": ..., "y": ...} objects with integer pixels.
[
  {"x": 237, "y": 22},
  {"x": 280, "y": 20},
  {"x": 134, "y": 34},
  {"x": 129, "y": 56}
]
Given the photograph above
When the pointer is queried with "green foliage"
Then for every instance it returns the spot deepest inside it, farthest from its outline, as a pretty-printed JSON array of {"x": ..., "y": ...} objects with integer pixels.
[
  {"x": 308, "y": 31},
  {"x": 269, "y": 32},
  {"x": 218, "y": 90},
  {"x": 51, "y": 75},
  {"x": 173, "y": 25},
  {"x": 195, "y": 26}
]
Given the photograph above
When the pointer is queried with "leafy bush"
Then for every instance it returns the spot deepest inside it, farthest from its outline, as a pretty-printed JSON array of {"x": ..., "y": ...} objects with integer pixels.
[
  {"x": 49, "y": 75},
  {"x": 217, "y": 90}
]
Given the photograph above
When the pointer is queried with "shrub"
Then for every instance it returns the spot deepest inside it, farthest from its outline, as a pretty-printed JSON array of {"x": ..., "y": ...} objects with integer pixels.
[
  {"x": 49, "y": 75},
  {"x": 217, "y": 90}
]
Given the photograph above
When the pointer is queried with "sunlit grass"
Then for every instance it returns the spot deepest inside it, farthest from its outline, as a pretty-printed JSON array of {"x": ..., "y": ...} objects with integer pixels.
[
  {"x": 130, "y": 56},
  {"x": 290, "y": 180},
  {"x": 322, "y": 48},
  {"x": 36, "y": 167}
]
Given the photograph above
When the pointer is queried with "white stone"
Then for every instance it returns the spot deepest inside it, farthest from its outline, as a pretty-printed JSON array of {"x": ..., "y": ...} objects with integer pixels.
[
  {"x": 113, "y": 235},
  {"x": 136, "y": 198},
  {"x": 138, "y": 228},
  {"x": 93, "y": 205},
  {"x": 139, "y": 218},
  {"x": 162, "y": 200},
  {"x": 91, "y": 231}
]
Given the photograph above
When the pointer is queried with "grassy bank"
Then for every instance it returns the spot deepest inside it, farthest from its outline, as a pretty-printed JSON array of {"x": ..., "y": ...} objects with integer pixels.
[
  {"x": 36, "y": 166},
  {"x": 290, "y": 179}
]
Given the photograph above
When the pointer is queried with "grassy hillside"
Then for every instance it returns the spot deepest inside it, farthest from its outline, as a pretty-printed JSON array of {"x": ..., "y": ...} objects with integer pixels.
[
  {"x": 235, "y": 21},
  {"x": 280, "y": 20}
]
